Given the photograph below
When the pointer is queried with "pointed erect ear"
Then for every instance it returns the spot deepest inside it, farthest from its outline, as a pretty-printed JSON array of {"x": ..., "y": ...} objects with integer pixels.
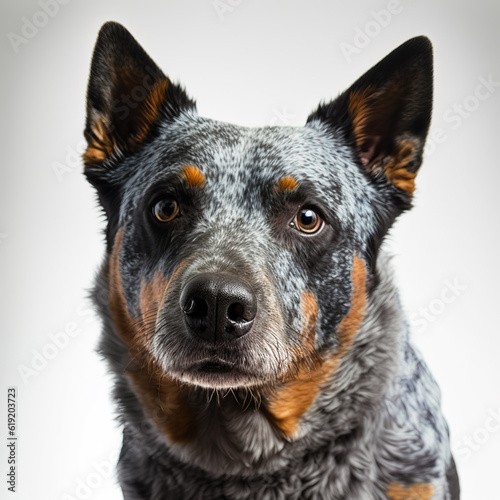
[
  {"x": 385, "y": 115},
  {"x": 127, "y": 96}
]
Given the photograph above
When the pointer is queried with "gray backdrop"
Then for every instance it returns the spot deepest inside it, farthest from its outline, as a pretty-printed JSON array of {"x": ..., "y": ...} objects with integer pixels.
[{"x": 252, "y": 62}]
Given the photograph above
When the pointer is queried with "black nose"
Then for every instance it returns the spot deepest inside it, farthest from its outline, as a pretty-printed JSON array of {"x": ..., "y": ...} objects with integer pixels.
[{"x": 218, "y": 307}]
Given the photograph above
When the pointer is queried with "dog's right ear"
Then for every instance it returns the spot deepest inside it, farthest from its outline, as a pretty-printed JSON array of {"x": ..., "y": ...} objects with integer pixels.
[
  {"x": 127, "y": 97},
  {"x": 385, "y": 116}
]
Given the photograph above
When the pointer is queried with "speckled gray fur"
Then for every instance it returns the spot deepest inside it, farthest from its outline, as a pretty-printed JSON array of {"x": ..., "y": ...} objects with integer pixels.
[
  {"x": 369, "y": 428},
  {"x": 376, "y": 420},
  {"x": 366, "y": 429}
]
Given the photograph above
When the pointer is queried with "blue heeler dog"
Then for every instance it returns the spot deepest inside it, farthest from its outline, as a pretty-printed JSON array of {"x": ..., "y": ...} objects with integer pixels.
[{"x": 251, "y": 322}]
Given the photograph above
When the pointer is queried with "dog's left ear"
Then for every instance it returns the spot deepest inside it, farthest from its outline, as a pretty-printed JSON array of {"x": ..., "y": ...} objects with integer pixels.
[
  {"x": 128, "y": 95},
  {"x": 385, "y": 116}
]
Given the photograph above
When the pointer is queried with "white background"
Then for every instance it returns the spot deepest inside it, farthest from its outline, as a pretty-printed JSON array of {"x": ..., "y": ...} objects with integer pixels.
[{"x": 257, "y": 62}]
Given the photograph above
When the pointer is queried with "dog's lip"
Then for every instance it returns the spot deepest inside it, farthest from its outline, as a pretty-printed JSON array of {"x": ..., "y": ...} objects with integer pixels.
[
  {"x": 214, "y": 364},
  {"x": 214, "y": 372}
]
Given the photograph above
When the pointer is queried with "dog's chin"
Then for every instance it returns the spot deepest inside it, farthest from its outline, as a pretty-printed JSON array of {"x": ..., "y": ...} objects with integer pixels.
[{"x": 217, "y": 374}]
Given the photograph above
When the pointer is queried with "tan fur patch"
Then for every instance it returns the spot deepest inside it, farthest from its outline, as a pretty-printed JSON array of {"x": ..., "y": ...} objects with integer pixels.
[
  {"x": 193, "y": 176},
  {"x": 151, "y": 294},
  {"x": 423, "y": 491},
  {"x": 287, "y": 406},
  {"x": 286, "y": 183},
  {"x": 352, "y": 320},
  {"x": 117, "y": 302},
  {"x": 361, "y": 110},
  {"x": 309, "y": 309},
  {"x": 101, "y": 146},
  {"x": 151, "y": 109},
  {"x": 164, "y": 399},
  {"x": 396, "y": 170}
]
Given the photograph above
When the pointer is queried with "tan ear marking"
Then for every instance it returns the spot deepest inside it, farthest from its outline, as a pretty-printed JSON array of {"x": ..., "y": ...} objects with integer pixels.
[
  {"x": 104, "y": 144},
  {"x": 396, "y": 169},
  {"x": 364, "y": 107},
  {"x": 360, "y": 111},
  {"x": 101, "y": 146},
  {"x": 151, "y": 108}
]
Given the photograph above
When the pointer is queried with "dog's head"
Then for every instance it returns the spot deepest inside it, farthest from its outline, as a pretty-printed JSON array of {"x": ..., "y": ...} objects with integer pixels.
[{"x": 241, "y": 256}]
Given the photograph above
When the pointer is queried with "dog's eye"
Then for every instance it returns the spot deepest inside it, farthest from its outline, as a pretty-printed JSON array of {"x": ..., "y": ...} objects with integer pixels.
[
  {"x": 166, "y": 210},
  {"x": 307, "y": 221}
]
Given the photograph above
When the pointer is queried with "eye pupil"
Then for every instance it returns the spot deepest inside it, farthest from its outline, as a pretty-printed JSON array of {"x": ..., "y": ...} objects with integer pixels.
[
  {"x": 166, "y": 210},
  {"x": 308, "y": 218},
  {"x": 307, "y": 221}
]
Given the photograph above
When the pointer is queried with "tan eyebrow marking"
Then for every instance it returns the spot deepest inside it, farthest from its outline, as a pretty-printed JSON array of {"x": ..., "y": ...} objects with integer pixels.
[
  {"x": 193, "y": 176},
  {"x": 286, "y": 183}
]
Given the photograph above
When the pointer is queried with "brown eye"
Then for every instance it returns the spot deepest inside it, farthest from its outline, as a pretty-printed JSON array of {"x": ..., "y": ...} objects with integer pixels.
[
  {"x": 166, "y": 210},
  {"x": 307, "y": 221}
]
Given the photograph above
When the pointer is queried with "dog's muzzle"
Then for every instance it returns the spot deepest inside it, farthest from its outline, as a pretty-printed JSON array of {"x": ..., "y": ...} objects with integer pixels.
[{"x": 218, "y": 308}]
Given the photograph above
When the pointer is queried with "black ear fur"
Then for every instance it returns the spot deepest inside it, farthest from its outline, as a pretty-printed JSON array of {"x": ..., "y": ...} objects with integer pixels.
[
  {"x": 127, "y": 96},
  {"x": 386, "y": 114}
]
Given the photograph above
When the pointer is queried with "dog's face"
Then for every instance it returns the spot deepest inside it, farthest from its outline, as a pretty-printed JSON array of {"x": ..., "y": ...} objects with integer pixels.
[{"x": 241, "y": 256}]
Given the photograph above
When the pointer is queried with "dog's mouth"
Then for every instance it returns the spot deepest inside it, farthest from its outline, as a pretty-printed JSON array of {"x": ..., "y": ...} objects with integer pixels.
[
  {"x": 249, "y": 361},
  {"x": 220, "y": 328},
  {"x": 214, "y": 372},
  {"x": 214, "y": 365}
]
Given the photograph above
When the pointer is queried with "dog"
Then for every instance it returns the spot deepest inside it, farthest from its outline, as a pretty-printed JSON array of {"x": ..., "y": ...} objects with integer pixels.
[{"x": 250, "y": 320}]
